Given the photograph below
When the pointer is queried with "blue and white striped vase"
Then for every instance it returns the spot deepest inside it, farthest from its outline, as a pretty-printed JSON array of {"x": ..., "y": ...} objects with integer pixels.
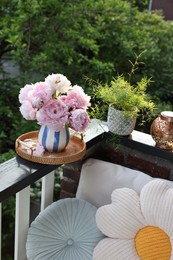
[{"x": 53, "y": 141}]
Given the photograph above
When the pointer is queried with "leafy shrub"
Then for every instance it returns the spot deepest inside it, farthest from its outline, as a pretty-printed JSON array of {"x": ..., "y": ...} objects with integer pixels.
[{"x": 95, "y": 39}]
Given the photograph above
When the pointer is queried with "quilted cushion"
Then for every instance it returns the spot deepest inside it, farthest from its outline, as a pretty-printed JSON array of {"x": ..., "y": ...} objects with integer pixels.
[{"x": 65, "y": 230}]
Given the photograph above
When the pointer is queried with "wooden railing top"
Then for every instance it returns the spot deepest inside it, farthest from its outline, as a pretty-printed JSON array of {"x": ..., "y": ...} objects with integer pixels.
[{"x": 17, "y": 173}]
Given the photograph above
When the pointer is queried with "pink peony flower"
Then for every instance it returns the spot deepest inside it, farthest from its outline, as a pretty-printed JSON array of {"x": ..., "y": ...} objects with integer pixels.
[
  {"x": 26, "y": 93},
  {"x": 55, "y": 103},
  {"x": 27, "y": 111},
  {"x": 37, "y": 103},
  {"x": 42, "y": 93},
  {"x": 79, "y": 120},
  {"x": 54, "y": 115},
  {"x": 76, "y": 98},
  {"x": 59, "y": 82}
]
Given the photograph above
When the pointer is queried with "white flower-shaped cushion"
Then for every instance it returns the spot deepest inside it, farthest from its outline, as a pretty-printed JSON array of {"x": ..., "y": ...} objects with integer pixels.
[
  {"x": 65, "y": 230},
  {"x": 137, "y": 226}
]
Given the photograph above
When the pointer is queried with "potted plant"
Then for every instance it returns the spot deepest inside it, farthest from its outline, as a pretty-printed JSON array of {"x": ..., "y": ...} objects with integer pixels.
[{"x": 123, "y": 101}]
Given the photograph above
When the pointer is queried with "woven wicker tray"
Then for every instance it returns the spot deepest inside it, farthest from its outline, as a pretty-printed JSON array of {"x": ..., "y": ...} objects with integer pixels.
[{"x": 74, "y": 151}]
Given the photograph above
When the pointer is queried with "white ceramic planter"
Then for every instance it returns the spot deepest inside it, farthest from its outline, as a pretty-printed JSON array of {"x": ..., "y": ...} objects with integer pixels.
[{"x": 118, "y": 123}]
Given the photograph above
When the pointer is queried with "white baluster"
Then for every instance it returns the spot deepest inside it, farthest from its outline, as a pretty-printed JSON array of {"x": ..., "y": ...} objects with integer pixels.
[
  {"x": 22, "y": 222},
  {"x": 47, "y": 190}
]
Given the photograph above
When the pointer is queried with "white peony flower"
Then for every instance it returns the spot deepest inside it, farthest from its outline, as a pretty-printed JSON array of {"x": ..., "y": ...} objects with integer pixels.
[{"x": 59, "y": 82}]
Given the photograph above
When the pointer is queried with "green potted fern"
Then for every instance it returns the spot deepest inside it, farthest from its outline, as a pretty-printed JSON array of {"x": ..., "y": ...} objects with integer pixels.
[{"x": 123, "y": 101}]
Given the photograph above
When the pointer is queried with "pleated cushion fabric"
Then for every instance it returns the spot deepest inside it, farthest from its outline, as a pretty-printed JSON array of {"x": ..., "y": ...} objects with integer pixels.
[{"x": 65, "y": 230}]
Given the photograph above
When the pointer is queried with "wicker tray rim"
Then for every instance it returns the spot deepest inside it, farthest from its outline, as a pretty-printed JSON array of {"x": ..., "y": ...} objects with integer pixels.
[{"x": 74, "y": 151}]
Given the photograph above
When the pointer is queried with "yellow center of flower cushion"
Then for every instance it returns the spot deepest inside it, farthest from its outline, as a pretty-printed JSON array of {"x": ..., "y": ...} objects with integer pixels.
[{"x": 153, "y": 243}]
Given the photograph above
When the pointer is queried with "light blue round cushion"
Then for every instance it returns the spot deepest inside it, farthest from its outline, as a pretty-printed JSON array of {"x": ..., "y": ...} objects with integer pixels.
[{"x": 65, "y": 230}]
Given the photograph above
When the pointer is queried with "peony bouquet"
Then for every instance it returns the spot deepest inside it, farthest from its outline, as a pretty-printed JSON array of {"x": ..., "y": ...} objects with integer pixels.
[{"x": 55, "y": 103}]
